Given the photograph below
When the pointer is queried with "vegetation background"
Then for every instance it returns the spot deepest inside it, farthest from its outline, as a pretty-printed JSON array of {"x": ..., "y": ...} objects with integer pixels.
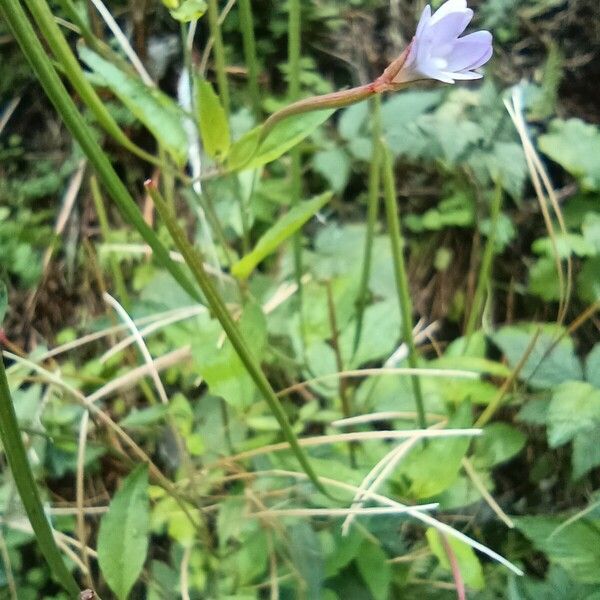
[{"x": 111, "y": 364}]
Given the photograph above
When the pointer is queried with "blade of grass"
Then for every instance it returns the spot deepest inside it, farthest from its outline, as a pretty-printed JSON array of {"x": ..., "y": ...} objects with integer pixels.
[
  {"x": 27, "y": 487},
  {"x": 196, "y": 264},
  {"x": 393, "y": 222},
  {"x": 483, "y": 280},
  {"x": 58, "y": 95}
]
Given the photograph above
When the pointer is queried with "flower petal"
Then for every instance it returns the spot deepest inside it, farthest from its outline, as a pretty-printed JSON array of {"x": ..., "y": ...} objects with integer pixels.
[
  {"x": 447, "y": 8},
  {"x": 463, "y": 75},
  {"x": 449, "y": 28},
  {"x": 470, "y": 51},
  {"x": 424, "y": 20}
]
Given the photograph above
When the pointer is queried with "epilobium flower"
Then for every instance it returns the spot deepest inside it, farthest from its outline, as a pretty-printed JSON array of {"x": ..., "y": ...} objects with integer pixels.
[{"x": 437, "y": 51}]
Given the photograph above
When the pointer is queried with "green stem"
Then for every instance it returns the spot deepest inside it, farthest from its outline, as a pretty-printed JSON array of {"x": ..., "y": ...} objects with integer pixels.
[
  {"x": 27, "y": 487},
  {"x": 393, "y": 222},
  {"x": 115, "y": 267},
  {"x": 58, "y": 95},
  {"x": 372, "y": 210},
  {"x": 215, "y": 32},
  {"x": 195, "y": 262},
  {"x": 60, "y": 48},
  {"x": 247, "y": 27},
  {"x": 294, "y": 53},
  {"x": 486, "y": 267}
]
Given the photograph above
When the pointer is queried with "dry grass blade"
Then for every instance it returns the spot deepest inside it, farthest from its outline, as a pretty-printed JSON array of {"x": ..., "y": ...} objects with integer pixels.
[
  {"x": 79, "y": 494},
  {"x": 179, "y": 315},
  {"x": 340, "y": 512},
  {"x": 413, "y": 512},
  {"x": 382, "y": 416},
  {"x": 354, "y": 436},
  {"x": 357, "y": 373},
  {"x": 545, "y": 194}
]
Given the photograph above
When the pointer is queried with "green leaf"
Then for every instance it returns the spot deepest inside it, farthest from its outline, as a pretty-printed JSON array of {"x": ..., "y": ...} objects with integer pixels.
[
  {"x": 159, "y": 113},
  {"x": 307, "y": 556},
  {"x": 434, "y": 467},
  {"x": 3, "y": 301},
  {"x": 249, "y": 153},
  {"x": 576, "y": 547},
  {"x": 586, "y": 452},
  {"x": 541, "y": 371},
  {"x": 189, "y": 10},
  {"x": 375, "y": 570},
  {"x": 221, "y": 367},
  {"x": 334, "y": 165},
  {"x": 575, "y": 408},
  {"x": 123, "y": 536},
  {"x": 499, "y": 443},
  {"x": 543, "y": 280},
  {"x": 278, "y": 233},
  {"x": 592, "y": 366},
  {"x": 212, "y": 120},
  {"x": 575, "y": 146},
  {"x": 468, "y": 563}
]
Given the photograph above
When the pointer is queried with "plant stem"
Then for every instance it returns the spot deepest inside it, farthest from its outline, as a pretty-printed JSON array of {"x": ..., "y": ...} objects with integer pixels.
[
  {"x": 294, "y": 52},
  {"x": 247, "y": 27},
  {"x": 372, "y": 210},
  {"x": 194, "y": 261},
  {"x": 115, "y": 267},
  {"x": 58, "y": 95},
  {"x": 393, "y": 222},
  {"x": 27, "y": 487},
  {"x": 483, "y": 280},
  {"x": 215, "y": 32}
]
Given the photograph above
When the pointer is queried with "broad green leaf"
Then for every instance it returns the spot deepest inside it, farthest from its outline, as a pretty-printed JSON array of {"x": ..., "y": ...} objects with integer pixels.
[
  {"x": 575, "y": 408},
  {"x": 212, "y": 120},
  {"x": 307, "y": 555},
  {"x": 576, "y": 548},
  {"x": 189, "y": 10},
  {"x": 375, "y": 570},
  {"x": 586, "y": 452},
  {"x": 541, "y": 369},
  {"x": 592, "y": 366},
  {"x": 3, "y": 301},
  {"x": 543, "y": 280},
  {"x": 247, "y": 153},
  {"x": 468, "y": 563},
  {"x": 145, "y": 417},
  {"x": 575, "y": 146},
  {"x": 334, "y": 165},
  {"x": 159, "y": 113},
  {"x": 123, "y": 536},
  {"x": 498, "y": 443},
  {"x": 557, "y": 586},
  {"x": 432, "y": 468},
  {"x": 220, "y": 366},
  {"x": 278, "y": 233}
]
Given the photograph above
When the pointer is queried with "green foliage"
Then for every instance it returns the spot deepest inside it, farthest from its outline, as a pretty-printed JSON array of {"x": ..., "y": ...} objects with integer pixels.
[
  {"x": 212, "y": 120},
  {"x": 159, "y": 113},
  {"x": 453, "y": 147},
  {"x": 123, "y": 536}
]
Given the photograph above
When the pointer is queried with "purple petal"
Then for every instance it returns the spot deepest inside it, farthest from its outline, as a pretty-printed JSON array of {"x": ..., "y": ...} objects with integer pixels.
[
  {"x": 424, "y": 20},
  {"x": 470, "y": 51},
  {"x": 447, "y": 8},
  {"x": 448, "y": 28},
  {"x": 464, "y": 75}
]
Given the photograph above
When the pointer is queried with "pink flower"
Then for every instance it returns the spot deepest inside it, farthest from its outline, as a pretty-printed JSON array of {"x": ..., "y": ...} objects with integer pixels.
[{"x": 437, "y": 51}]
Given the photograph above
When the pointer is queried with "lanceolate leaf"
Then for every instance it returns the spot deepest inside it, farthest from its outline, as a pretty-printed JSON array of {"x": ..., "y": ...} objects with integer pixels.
[
  {"x": 280, "y": 232},
  {"x": 154, "y": 109},
  {"x": 123, "y": 537},
  {"x": 212, "y": 120},
  {"x": 3, "y": 301},
  {"x": 250, "y": 152}
]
